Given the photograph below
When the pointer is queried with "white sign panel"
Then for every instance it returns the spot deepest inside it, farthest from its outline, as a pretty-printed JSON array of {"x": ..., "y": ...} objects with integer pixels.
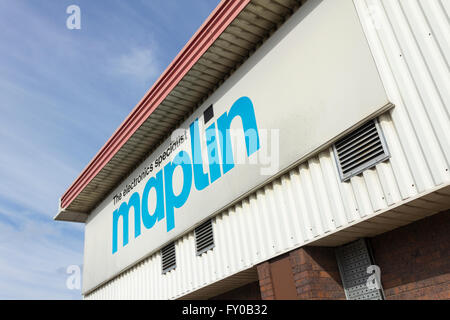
[{"x": 311, "y": 81}]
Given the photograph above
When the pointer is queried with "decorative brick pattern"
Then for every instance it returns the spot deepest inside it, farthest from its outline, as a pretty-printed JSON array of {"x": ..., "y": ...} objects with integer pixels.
[{"x": 415, "y": 259}]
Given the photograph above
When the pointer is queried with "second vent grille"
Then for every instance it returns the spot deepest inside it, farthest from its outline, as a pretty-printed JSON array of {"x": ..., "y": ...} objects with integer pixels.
[
  {"x": 169, "y": 261},
  {"x": 360, "y": 150},
  {"x": 204, "y": 238}
]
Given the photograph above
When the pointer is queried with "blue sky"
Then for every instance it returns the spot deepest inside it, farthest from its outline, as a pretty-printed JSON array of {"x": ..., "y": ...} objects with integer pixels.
[{"x": 63, "y": 93}]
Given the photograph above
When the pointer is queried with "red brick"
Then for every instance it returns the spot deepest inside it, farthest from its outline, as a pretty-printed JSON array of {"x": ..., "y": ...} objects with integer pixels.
[
  {"x": 315, "y": 274},
  {"x": 314, "y": 278}
]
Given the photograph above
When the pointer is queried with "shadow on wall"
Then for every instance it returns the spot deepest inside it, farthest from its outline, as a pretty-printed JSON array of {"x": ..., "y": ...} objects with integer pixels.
[
  {"x": 308, "y": 273},
  {"x": 415, "y": 259}
]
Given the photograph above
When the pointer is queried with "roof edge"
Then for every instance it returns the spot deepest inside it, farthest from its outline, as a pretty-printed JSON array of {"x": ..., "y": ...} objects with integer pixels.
[{"x": 210, "y": 30}]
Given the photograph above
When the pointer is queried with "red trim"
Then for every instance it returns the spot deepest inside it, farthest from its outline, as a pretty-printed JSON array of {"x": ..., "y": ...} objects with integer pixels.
[{"x": 212, "y": 28}]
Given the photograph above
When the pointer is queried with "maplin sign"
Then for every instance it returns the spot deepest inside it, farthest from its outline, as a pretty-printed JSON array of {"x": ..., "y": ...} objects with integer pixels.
[
  {"x": 312, "y": 80},
  {"x": 192, "y": 170}
]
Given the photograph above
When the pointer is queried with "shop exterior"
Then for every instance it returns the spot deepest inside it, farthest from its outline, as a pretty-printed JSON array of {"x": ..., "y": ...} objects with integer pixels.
[{"x": 292, "y": 150}]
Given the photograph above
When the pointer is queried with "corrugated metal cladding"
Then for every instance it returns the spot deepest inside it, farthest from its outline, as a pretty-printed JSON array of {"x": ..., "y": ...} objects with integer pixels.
[{"x": 411, "y": 45}]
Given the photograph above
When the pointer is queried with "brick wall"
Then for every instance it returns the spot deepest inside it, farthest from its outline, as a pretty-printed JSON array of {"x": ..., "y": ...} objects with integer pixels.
[
  {"x": 265, "y": 281},
  {"x": 414, "y": 262},
  {"x": 415, "y": 259},
  {"x": 316, "y": 274},
  {"x": 308, "y": 273}
]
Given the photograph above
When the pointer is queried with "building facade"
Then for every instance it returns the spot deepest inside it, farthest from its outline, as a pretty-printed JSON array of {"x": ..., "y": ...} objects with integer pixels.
[{"x": 292, "y": 150}]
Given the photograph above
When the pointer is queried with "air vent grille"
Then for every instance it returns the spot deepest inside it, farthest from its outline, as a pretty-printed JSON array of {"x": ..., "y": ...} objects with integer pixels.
[
  {"x": 360, "y": 150},
  {"x": 204, "y": 238},
  {"x": 169, "y": 261}
]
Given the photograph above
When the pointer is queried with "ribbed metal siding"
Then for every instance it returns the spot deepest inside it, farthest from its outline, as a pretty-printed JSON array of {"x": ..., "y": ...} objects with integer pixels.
[
  {"x": 410, "y": 41},
  {"x": 310, "y": 201}
]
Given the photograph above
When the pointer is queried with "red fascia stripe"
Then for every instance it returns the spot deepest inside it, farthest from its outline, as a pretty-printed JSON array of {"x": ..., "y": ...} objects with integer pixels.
[{"x": 212, "y": 28}]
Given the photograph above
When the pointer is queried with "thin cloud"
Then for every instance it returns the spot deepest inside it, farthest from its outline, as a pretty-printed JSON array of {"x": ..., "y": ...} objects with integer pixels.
[
  {"x": 32, "y": 267},
  {"x": 139, "y": 63}
]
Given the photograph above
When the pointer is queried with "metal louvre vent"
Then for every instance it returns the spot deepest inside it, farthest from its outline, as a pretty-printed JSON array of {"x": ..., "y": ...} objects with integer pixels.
[
  {"x": 360, "y": 150},
  {"x": 204, "y": 238},
  {"x": 169, "y": 261},
  {"x": 353, "y": 260}
]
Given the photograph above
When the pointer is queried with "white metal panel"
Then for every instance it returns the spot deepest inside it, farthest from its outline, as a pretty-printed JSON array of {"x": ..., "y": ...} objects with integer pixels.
[
  {"x": 405, "y": 56},
  {"x": 408, "y": 40}
]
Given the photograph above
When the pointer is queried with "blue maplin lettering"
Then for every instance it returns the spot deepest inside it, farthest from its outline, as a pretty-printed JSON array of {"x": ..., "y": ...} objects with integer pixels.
[
  {"x": 201, "y": 179},
  {"x": 156, "y": 183},
  {"x": 213, "y": 153},
  {"x": 172, "y": 201},
  {"x": 166, "y": 200},
  {"x": 123, "y": 212},
  {"x": 244, "y": 109}
]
